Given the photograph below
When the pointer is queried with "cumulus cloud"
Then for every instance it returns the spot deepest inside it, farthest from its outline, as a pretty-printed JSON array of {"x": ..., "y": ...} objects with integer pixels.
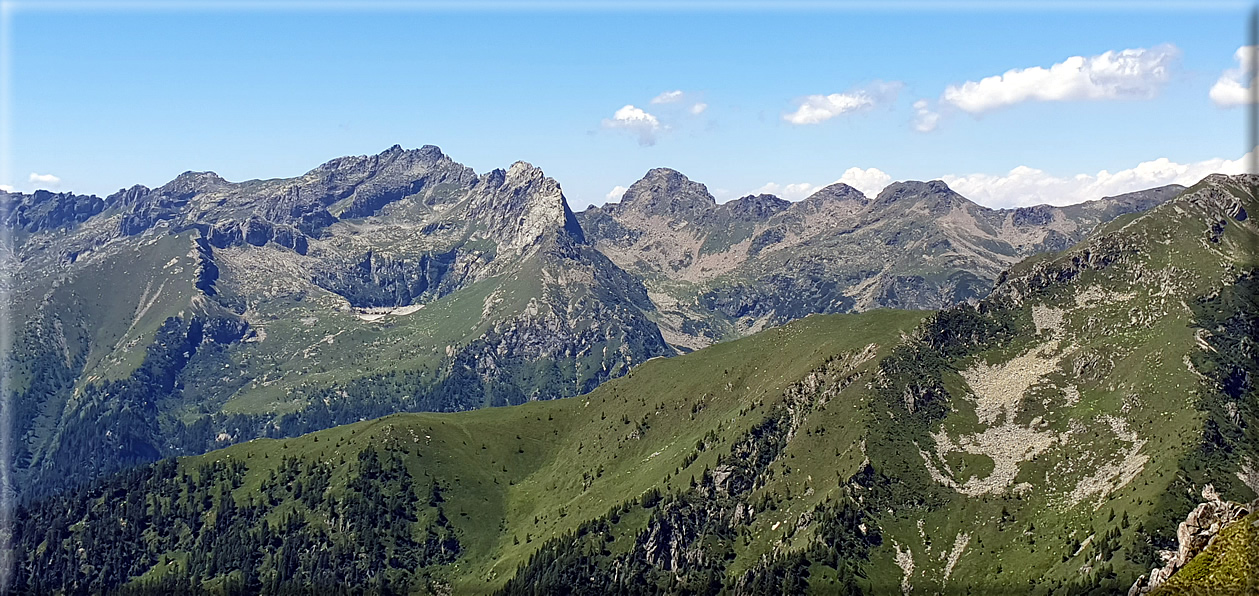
[
  {"x": 46, "y": 180},
  {"x": 869, "y": 181},
  {"x": 813, "y": 109},
  {"x": 925, "y": 119},
  {"x": 1025, "y": 186},
  {"x": 635, "y": 121},
  {"x": 1134, "y": 73},
  {"x": 6, "y": 188},
  {"x": 615, "y": 194},
  {"x": 1234, "y": 86},
  {"x": 699, "y": 108},
  {"x": 791, "y": 192},
  {"x": 668, "y": 97}
]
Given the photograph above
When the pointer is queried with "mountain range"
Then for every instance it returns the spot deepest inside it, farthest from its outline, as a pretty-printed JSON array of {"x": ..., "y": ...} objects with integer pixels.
[
  {"x": 718, "y": 271},
  {"x": 169, "y": 321},
  {"x": 1085, "y": 425}
]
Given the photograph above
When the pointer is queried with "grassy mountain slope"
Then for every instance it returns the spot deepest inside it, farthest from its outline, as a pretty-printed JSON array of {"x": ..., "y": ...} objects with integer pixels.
[
  {"x": 510, "y": 478},
  {"x": 1118, "y": 393}
]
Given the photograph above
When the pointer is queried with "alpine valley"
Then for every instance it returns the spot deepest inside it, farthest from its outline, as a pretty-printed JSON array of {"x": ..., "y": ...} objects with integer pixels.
[{"x": 285, "y": 386}]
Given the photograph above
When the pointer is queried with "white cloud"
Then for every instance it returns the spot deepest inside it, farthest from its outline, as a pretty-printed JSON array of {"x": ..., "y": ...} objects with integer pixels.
[
  {"x": 1234, "y": 86},
  {"x": 636, "y": 121},
  {"x": 791, "y": 192},
  {"x": 47, "y": 180},
  {"x": 1025, "y": 186},
  {"x": 869, "y": 181},
  {"x": 615, "y": 194},
  {"x": 699, "y": 108},
  {"x": 925, "y": 120},
  {"x": 6, "y": 188},
  {"x": 820, "y": 108},
  {"x": 1133, "y": 73},
  {"x": 668, "y": 97}
]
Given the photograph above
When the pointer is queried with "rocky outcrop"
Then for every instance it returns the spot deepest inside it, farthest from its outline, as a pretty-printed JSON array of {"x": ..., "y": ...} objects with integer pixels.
[
  {"x": 757, "y": 207},
  {"x": 519, "y": 206},
  {"x": 145, "y": 208},
  {"x": 44, "y": 210},
  {"x": 257, "y": 232},
  {"x": 1194, "y": 535}
]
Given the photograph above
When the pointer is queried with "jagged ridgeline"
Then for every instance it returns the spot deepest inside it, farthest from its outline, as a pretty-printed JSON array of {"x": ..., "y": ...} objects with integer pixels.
[
  {"x": 1046, "y": 440},
  {"x": 171, "y": 321},
  {"x": 717, "y": 271}
]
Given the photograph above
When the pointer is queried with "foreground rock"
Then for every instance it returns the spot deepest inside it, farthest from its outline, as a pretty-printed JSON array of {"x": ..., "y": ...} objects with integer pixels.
[{"x": 1196, "y": 534}]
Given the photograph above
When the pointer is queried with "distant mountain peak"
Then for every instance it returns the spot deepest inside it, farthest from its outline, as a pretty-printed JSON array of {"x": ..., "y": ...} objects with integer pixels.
[
  {"x": 191, "y": 183},
  {"x": 665, "y": 174},
  {"x": 905, "y": 188},
  {"x": 522, "y": 204},
  {"x": 838, "y": 191},
  {"x": 667, "y": 192},
  {"x": 935, "y": 193},
  {"x": 761, "y": 206},
  {"x": 525, "y": 169},
  {"x": 427, "y": 155}
]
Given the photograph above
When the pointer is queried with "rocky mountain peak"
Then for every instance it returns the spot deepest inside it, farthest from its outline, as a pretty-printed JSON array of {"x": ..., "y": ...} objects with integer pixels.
[
  {"x": 668, "y": 193},
  {"x": 523, "y": 170},
  {"x": 127, "y": 196},
  {"x": 426, "y": 155},
  {"x": 838, "y": 192},
  {"x": 911, "y": 188},
  {"x": 935, "y": 194},
  {"x": 757, "y": 207},
  {"x": 44, "y": 209},
  {"x": 192, "y": 183},
  {"x": 523, "y": 204},
  {"x": 394, "y": 157}
]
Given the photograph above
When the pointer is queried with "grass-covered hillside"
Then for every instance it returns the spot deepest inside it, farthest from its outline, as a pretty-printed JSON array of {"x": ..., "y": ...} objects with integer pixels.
[{"x": 491, "y": 486}]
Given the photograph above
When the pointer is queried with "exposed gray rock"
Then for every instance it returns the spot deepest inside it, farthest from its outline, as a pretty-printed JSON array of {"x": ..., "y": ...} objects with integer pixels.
[
  {"x": 44, "y": 210},
  {"x": 1193, "y": 536}
]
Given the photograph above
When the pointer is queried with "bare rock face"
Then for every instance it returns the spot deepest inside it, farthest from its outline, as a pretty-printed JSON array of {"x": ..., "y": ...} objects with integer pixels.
[
  {"x": 1194, "y": 535},
  {"x": 43, "y": 210},
  {"x": 520, "y": 206}
]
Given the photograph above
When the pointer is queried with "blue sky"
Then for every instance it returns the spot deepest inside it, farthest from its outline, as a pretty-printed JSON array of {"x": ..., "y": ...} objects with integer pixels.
[{"x": 103, "y": 99}]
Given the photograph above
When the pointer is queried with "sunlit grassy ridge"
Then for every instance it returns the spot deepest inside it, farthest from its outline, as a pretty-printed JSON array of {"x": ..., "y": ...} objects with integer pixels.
[{"x": 564, "y": 462}]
